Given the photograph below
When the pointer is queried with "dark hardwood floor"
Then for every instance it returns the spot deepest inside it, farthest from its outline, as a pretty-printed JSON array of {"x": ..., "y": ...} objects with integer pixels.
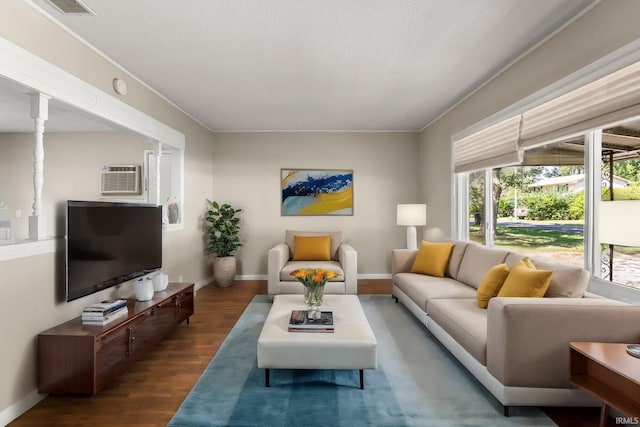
[{"x": 150, "y": 391}]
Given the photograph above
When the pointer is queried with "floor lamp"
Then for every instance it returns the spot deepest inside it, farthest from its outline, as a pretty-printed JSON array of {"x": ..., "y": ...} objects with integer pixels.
[{"x": 411, "y": 216}]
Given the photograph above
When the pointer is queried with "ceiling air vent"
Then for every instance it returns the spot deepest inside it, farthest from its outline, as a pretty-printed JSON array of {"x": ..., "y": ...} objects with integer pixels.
[
  {"x": 120, "y": 180},
  {"x": 71, "y": 7}
]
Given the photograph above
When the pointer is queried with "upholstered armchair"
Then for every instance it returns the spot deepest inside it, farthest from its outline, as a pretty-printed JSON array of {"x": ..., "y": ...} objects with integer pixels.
[{"x": 315, "y": 249}]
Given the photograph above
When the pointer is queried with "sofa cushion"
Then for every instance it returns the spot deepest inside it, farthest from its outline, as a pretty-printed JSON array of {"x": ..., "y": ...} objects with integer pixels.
[
  {"x": 512, "y": 258},
  {"x": 312, "y": 248},
  {"x": 456, "y": 258},
  {"x": 285, "y": 273},
  {"x": 477, "y": 261},
  {"x": 491, "y": 284},
  {"x": 465, "y": 322},
  {"x": 566, "y": 280},
  {"x": 402, "y": 260},
  {"x": 421, "y": 288},
  {"x": 336, "y": 240},
  {"x": 432, "y": 258},
  {"x": 525, "y": 281}
]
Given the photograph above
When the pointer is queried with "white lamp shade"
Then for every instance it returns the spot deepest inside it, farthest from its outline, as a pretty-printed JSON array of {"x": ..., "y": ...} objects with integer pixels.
[
  {"x": 619, "y": 222},
  {"x": 412, "y": 214}
]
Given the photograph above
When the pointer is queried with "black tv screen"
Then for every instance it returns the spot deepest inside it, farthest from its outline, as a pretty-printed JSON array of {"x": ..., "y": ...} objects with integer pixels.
[{"x": 110, "y": 243}]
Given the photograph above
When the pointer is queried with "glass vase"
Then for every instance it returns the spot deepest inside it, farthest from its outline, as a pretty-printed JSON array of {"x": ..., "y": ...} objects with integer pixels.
[{"x": 313, "y": 296}]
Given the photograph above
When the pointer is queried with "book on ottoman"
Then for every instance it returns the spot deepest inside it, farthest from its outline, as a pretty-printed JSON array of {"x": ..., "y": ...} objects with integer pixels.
[{"x": 300, "y": 322}]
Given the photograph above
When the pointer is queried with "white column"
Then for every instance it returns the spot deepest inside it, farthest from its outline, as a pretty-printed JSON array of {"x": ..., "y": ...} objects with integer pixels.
[
  {"x": 460, "y": 204},
  {"x": 487, "y": 215},
  {"x": 158, "y": 153},
  {"x": 592, "y": 195},
  {"x": 39, "y": 114}
]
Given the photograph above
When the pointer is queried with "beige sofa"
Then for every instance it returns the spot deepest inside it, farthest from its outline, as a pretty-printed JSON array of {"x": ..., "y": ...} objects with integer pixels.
[
  {"x": 280, "y": 263},
  {"x": 518, "y": 348}
]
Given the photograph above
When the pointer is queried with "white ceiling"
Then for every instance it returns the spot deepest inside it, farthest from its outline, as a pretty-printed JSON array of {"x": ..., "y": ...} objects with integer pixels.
[{"x": 265, "y": 65}]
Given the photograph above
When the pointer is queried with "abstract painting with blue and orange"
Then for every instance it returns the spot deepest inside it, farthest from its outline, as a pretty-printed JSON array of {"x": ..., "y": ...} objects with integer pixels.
[{"x": 317, "y": 192}]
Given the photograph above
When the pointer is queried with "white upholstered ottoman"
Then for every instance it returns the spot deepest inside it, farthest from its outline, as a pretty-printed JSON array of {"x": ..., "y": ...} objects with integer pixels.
[{"x": 351, "y": 346}]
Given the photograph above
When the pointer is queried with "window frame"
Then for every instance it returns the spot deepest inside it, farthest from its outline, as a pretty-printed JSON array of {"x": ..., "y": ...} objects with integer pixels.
[
  {"x": 592, "y": 164},
  {"x": 615, "y": 61}
]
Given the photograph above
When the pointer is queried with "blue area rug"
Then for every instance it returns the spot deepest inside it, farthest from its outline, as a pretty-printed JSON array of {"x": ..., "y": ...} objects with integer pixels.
[{"x": 417, "y": 383}]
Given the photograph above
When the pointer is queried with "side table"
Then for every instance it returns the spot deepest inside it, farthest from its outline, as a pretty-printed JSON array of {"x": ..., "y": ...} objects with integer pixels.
[{"x": 608, "y": 372}]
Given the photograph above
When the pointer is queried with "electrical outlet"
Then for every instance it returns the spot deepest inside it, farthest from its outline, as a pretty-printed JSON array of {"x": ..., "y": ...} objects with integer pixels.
[{"x": 18, "y": 213}]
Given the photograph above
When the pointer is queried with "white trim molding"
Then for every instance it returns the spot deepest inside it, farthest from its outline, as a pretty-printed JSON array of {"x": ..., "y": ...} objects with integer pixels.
[
  {"x": 374, "y": 276},
  {"x": 28, "y": 248},
  {"x": 43, "y": 77},
  {"x": 21, "y": 406}
]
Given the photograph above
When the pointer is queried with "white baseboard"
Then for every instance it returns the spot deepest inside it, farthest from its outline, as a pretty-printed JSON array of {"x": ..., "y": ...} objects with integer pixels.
[
  {"x": 375, "y": 276},
  {"x": 252, "y": 277},
  {"x": 202, "y": 283},
  {"x": 21, "y": 406}
]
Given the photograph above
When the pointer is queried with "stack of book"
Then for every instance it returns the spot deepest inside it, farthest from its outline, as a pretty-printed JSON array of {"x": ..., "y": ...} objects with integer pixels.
[
  {"x": 300, "y": 322},
  {"x": 105, "y": 312}
]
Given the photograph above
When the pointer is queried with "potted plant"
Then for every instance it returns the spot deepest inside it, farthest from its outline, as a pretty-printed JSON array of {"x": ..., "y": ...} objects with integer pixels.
[{"x": 222, "y": 231}]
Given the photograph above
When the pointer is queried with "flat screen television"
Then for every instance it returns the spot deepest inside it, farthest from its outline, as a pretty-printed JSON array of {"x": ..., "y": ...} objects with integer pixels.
[{"x": 110, "y": 243}]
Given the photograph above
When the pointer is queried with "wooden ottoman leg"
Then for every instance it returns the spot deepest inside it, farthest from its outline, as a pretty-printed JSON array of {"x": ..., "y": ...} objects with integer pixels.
[
  {"x": 266, "y": 377},
  {"x": 361, "y": 379}
]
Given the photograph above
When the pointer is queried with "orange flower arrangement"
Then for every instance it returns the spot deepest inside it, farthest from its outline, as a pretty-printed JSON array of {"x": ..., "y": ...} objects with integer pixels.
[
  {"x": 313, "y": 280},
  {"x": 312, "y": 277}
]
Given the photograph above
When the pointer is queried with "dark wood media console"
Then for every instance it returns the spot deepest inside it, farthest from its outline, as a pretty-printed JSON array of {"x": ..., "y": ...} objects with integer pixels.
[{"x": 78, "y": 359}]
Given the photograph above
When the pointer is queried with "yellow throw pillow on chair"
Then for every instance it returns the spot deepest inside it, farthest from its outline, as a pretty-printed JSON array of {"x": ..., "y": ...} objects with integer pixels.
[
  {"x": 432, "y": 258},
  {"x": 312, "y": 248}
]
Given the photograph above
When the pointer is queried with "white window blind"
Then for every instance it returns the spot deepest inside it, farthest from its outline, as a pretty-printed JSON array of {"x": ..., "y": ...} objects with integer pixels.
[
  {"x": 606, "y": 101},
  {"x": 494, "y": 146}
]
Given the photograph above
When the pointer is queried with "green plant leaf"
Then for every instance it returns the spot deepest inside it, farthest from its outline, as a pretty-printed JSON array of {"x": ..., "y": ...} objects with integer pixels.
[{"x": 222, "y": 228}]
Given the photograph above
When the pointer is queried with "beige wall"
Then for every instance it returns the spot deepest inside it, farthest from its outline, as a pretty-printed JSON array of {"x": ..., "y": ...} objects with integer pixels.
[
  {"x": 246, "y": 173},
  {"x": 610, "y": 25},
  {"x": 29, "y": 284}
]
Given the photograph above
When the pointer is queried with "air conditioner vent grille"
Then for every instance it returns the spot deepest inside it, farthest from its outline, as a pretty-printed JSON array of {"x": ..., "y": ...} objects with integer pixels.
[
  {"x": 71, "y": 7},
  {"x": 120, "y": 179}
]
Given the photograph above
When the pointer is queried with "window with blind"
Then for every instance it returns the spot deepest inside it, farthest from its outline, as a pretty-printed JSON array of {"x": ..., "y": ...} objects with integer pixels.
[
  {"x": 559, "y": 166},
  {"x": 494, "y": 146},
  {"x": 611, "y": 99},
  {"x": 604, "y": 102}
]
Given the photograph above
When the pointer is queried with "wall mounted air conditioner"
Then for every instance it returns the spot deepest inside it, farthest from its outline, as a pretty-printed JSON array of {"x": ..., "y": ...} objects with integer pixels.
[{"x": 121, "y": 179}]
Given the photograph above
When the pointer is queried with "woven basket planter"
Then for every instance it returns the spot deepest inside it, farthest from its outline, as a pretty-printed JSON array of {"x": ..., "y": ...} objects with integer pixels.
[{"x": 224, "y": 270}]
